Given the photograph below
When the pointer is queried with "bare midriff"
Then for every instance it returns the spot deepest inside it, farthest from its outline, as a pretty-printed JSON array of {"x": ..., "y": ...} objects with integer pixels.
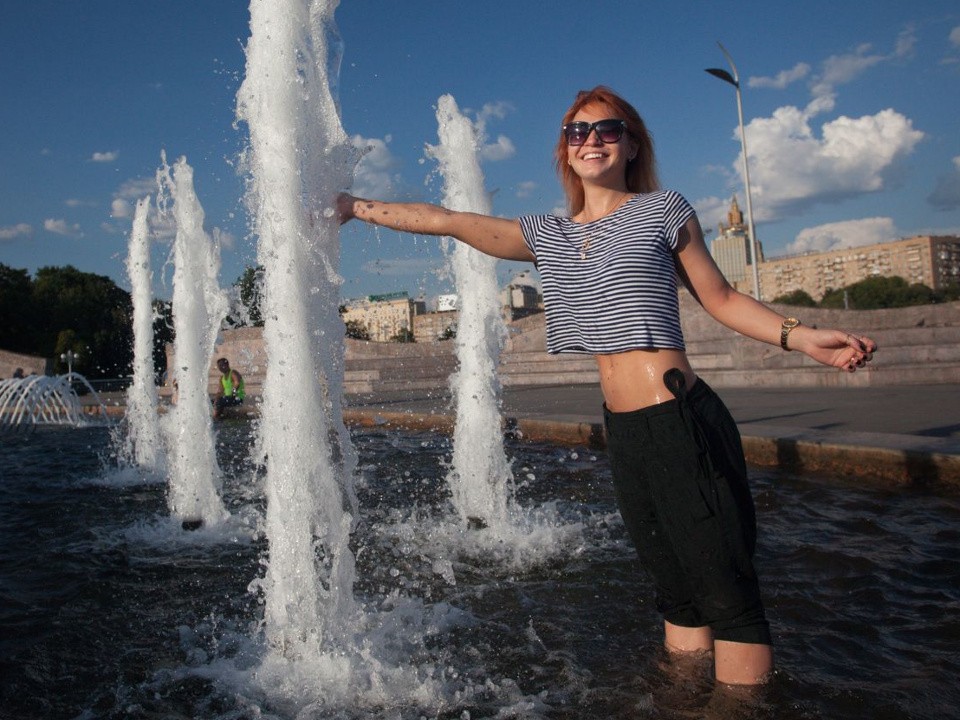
[{"x": 634, "y": 379}]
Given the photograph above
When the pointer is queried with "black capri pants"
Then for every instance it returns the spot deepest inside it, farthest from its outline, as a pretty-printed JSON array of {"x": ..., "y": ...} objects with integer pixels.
[{"x": 681, "y": 484}]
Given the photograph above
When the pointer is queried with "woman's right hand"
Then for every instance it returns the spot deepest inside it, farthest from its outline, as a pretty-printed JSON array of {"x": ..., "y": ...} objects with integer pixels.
[{"x": 345, "y": 203}]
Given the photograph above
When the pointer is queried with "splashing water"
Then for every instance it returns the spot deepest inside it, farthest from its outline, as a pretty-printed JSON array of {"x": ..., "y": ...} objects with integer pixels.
[
  {"x": 199, "y": 306},
  {"x": 299, "y": 157},
  {"x": 42, "y": 400},
  {"x": 142, "y": 444},
  {"x": 480, "y": 477}
]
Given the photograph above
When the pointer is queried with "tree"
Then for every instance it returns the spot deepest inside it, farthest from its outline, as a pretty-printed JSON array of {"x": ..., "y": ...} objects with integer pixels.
[
  {"x": 449, "y": 333},
  {"x": 250, "y": 290},
  {"x": 879, "y": 292},
  {"x": 357, "y": 330},
  {"x": 405, "y": 335},
  {"x": 162, "y": 335},
  {"x": 17, "y": 312},
  {"x": 797, "y": 298},
  {"x": 94, "y": 309}
]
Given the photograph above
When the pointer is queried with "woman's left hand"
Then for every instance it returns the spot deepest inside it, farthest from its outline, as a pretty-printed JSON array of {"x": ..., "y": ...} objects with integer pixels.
[{"x": 842, "y": 350}]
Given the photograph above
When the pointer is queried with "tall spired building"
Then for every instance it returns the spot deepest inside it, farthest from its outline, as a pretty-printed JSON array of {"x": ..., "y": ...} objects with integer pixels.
[{"x": 731, "y": 249}]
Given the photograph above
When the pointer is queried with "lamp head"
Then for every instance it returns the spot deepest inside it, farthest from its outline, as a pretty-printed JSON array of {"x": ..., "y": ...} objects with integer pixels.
[{"x": 723, "y": 75}]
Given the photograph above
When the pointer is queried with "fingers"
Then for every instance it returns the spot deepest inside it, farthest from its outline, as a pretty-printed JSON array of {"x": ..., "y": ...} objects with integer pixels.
[{"x": 861, "y": 352}]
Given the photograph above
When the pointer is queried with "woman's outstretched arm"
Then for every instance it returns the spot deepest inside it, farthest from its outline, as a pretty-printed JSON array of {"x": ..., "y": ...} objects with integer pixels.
[
  {"x": 837, "y": 348},
  {"x": 494, "y": 236}
]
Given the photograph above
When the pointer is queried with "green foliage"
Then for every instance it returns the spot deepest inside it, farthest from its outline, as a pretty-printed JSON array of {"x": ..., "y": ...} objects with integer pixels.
[
  {"x": 96, "y": 311},
  {"x": 64, "y": 309},
  {"x": 950, "y": 293},
  {"x": 404, "y": 336},
  {"x": 250, "y": 289},
  {"x": 797, "y": 298},
  {"x": 162, "y": 335},
  {"x": 449, "y": 334},
  {"x": 880, "y": 292},
  {"x": 17, "y": 312},
  {"x": 357, "y": 330}
]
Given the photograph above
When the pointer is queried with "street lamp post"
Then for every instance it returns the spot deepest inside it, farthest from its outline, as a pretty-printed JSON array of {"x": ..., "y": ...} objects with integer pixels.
[
  {"x": 68, "y": 357},
  {"x": 735, "y": 81}
]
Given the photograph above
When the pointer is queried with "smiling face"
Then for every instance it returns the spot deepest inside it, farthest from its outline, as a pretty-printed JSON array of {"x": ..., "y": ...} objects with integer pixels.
[{"x": 597, "y": 162}]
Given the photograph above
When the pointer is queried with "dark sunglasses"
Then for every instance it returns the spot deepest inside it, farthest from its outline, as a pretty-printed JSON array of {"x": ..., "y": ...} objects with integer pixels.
[{"x": 608, "y": 131}]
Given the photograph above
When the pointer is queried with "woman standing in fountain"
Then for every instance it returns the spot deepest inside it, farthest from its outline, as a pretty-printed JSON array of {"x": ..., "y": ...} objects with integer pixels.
[{"x": 610, "y": 274}]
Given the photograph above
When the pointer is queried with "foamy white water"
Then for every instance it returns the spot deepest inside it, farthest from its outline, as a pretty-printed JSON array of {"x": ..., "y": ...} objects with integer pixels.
[
  {"x": 143, "y": 442},
  {"x": 480, "y": 476},
  {"x": 199, "y": 306},
  {"x": 299, "y": 158}
]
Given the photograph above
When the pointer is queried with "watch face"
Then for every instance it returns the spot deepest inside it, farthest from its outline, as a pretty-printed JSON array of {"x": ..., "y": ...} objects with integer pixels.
[{"x": 791, "y": 323}]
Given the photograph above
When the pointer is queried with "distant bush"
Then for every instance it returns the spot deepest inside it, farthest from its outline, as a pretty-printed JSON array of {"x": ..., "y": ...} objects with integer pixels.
[{"x": 797, "y": 298}]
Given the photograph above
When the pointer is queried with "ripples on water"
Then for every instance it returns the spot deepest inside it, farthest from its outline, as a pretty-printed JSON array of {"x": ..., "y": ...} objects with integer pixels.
[{"x": 109, "y": 610}]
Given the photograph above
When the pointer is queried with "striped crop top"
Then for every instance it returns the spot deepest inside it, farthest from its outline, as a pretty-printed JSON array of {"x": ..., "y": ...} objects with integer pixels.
[{"x": 611, "y": 285}]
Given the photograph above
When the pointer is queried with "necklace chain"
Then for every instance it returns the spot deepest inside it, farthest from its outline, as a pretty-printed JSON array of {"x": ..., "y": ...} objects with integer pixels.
[{"x": 591, "y": 235}]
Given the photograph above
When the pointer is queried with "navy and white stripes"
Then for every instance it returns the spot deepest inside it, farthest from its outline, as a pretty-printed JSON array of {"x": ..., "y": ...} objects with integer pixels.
[{"x": 611, "y": 285}]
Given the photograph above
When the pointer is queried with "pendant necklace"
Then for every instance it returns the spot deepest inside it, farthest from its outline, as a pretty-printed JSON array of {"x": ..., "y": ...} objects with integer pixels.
[{"x": 591, "y": 235}]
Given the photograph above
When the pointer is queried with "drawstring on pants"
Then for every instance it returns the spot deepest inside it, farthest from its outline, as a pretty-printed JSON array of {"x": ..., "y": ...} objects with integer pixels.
[{"x": 677, "y": 384}]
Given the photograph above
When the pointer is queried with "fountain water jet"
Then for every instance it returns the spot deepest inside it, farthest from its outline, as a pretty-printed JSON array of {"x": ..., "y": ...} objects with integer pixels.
[
  {"x": 43, "y": 400},
  {"x": 299, "y": 158},
  {"x": 143, "y": 445},
  {"x": 480, "y": 477},
  {"x": 199, "y": 306}
]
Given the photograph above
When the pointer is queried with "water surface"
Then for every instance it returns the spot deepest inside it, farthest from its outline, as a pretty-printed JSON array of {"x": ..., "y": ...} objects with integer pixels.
[{"x": 110, "y": 610}]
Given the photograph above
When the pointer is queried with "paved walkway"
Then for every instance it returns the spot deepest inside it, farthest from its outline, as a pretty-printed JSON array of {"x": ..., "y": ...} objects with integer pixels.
[{"x": 907, "y": 434}]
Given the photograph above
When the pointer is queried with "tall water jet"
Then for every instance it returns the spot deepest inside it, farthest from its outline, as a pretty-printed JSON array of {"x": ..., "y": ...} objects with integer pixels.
[
  {"x": 299, "y": 157},
  {"x": 480, "y": 476},
  {"x": 199, "y": 306},
  {"x": 143, "y": 441}
]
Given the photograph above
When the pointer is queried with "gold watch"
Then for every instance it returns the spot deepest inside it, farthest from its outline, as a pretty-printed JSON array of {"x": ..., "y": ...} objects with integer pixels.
[{"x": 788, "y": 324}]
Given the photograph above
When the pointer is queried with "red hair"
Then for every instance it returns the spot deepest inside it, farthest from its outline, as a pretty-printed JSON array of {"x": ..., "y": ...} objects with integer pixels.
[{"x": 641, "y": 172}]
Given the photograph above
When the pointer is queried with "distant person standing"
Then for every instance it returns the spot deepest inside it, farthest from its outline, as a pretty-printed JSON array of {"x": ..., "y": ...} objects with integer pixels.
[
  {"x": 18, "y": 374},
  {"x": 231, "y": 391}
]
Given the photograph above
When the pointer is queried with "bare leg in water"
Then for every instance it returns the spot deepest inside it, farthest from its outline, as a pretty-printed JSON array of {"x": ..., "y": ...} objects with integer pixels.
[{"x": 735, "y": 663}]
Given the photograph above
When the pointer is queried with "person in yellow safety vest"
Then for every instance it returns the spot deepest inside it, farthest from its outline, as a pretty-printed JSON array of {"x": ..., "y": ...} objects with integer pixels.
[{"x": 231, "y": 391}]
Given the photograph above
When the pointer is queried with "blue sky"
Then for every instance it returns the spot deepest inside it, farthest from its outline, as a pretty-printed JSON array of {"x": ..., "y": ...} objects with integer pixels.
[{"x": 852, "y": 111}]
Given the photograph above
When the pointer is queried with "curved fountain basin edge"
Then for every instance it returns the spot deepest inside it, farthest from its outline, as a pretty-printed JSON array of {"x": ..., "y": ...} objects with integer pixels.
[
  {"x": 880, "y": 457},
  {"x": 886, "y": 458}
]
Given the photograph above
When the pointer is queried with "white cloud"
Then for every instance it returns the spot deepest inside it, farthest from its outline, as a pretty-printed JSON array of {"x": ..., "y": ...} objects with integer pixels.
[
  {"x": 75, "y": 203},
  {"x": 499, "y": 109},
  {"x": 163, "y": 226},
  {"x": 526, "y": 188},
  {"x": 906, "y": 41},
  {"x": 842, "y": 69},
  {"x": 946, "y": 194},
  {"x": 137, "y": 188},
  {"x": 121, "y": 208},
  {"x": 61, "y": 227},
  {"x": 226, "y": 239},
  {"x": 792, "y": 169},
  {"x": 954, "y": 38},
  {"x": 710, "y": 211},
  {"x": 105, "y": 157},
  {"x": 12, "y": 232},
  {"x": 502, "y": 149},
  {"x": 782, "y": 79},
  {"x": 375, "y": 174},
  {"x": 795, "y": 164},
  {"x": 845, "y": 234}
]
